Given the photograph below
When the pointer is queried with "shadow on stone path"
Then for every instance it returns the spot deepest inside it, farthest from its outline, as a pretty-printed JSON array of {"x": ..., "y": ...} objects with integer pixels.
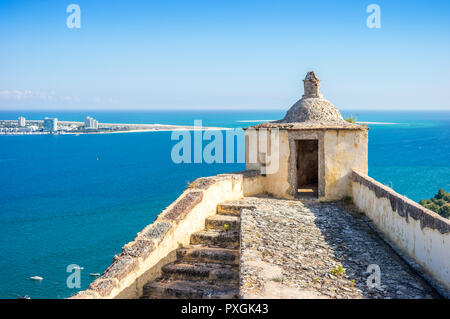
[{"x": 295, "y": 249}]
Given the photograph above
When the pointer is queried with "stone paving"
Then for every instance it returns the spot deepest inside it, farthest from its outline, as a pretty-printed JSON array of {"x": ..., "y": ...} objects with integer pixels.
[{"x": 295, "y": 249}]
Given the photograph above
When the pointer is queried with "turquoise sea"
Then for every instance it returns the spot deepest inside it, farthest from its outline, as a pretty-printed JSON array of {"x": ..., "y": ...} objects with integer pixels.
[{"x": 78, "y": 199}]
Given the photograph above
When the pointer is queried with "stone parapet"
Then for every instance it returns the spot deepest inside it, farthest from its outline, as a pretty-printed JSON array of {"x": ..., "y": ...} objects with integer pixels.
[
  {"x": 141, "y": 260},
  {"x": 419, "y": 234}
]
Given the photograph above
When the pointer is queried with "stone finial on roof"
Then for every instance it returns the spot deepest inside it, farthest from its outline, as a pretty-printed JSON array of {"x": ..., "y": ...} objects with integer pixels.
[
  {"x": 312, "y": 86},
  {"x": 313, "y": 108}
]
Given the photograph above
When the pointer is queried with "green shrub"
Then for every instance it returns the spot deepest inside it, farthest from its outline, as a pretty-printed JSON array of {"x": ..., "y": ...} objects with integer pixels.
[
  {"x": 440, "y": 203},
  {"x": 441, "y": 193},
  {"x": 444, "y": 211}
]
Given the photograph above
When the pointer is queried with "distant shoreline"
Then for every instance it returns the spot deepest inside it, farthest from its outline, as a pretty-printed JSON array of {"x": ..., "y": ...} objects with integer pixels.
[{"x": 116, "y": 128}]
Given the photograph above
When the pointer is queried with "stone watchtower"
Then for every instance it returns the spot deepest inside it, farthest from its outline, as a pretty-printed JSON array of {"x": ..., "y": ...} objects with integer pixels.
[{"x": 317, "y": 150}]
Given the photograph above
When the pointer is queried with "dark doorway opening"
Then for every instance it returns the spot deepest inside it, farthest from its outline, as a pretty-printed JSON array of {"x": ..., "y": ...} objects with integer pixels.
[{"x": 307, "y": 168}]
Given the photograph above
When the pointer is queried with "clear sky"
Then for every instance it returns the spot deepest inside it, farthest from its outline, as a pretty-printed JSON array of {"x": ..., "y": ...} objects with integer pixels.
[{"x": 220, "y": 54}]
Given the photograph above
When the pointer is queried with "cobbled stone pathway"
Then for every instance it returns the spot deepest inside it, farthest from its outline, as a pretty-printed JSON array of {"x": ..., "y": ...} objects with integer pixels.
[{"x": 294, "y": 249}]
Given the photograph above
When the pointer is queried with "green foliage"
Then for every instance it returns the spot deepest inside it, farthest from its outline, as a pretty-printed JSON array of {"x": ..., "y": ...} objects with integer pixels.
[
  {"x": 351, "y": 119},
  {"x": 444, "y": 211},
  {"x": 338, "y": 271},
  {"x": 440, "y": 203},
  {"x": 279, "y": 280},
  {"x": 227, "y": 227},
  {"x": 441, "y": 193}
]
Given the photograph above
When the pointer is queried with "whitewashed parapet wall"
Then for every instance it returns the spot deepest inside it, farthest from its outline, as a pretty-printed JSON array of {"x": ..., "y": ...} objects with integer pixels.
[
  {"x": 417, "y": 232},
  {"x": 141, "y": 260}
]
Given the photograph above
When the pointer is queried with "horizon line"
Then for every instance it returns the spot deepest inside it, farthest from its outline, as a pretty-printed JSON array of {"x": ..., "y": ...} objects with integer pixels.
[{"x": 212, "y": 110}]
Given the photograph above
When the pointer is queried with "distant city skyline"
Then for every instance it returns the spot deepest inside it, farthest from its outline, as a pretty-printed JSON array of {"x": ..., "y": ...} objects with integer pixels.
[{"x": 147, "y": 55}]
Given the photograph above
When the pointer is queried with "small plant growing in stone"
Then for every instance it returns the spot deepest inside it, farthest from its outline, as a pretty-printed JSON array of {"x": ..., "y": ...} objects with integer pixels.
[
  {"x": 352, "y": 282},
  {"x": 351, "y": 119},
  {"x": 227, "y": 227},
  {"x": 278, "y": 279},
  {"x": 338, "y": 271},
  {"x": 316, "y": 280}
]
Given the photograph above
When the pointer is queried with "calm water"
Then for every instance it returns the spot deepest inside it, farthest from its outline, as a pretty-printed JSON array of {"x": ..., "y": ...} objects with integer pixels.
[{"x": 78, "y": 199}]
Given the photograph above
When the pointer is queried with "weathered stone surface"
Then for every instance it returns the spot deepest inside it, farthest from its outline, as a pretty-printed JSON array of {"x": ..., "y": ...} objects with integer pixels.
[
  {"x": 403, "y": 205},
  {"x": 232, "y": 208},
  {"x": 312, "y": 107},
  {"x": 120, "y": 268},
  {"x": 139, "y": 248},
  {"x": 293, "y": 249},
  {"x": 219, "y": 221},
  {"x": 216, "y": 238},
  {"x": 168, "y": 229},
  {"x": 316, "y": 110},
  {"x": 203, "y": 182},
  {"x": 156, "y": 231},
  {"x": 335, "y": 148},
  {"x": 201, "y": 271},
  {"x": 168, "y": 289},
  {"x": 209, "y": 254},
  {"x": 85, "y": 294},
  {"x": 245, "y": 174},
  {"x": 103, "y": 286},
  {"x": 183, "y": 206},
  {"x": 209, "y": 268},
  {"x": 309, "y": 126}
]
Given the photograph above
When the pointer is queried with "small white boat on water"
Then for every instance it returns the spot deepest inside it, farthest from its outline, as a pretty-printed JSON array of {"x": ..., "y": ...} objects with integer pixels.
[
  {"x": 94, "y": 274},
  {"x": 37, "y": 278}
]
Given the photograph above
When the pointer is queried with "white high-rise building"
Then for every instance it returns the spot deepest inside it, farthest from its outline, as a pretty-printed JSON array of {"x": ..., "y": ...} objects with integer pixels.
[
  {"x": 21, "y": 122},
  {"x": 90, "y": 123},
  {"x": 50, "y": 124}
]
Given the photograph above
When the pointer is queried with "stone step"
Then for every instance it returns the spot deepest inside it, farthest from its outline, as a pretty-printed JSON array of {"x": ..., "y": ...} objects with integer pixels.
[
  {"x": 219, "y": 221},
  {"x": 228, "y": 209},
  {"x": 185, "y": 289},
  {"x": 232, "y": 209},
  {"x": 216, "y": 238},
  {"x": 209, "y": 254},
  {"x": 200, "y": 271}
]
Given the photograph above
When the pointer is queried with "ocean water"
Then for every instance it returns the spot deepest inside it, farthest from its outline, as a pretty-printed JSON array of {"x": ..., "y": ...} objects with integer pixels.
[{"x": 78, "y": 199}]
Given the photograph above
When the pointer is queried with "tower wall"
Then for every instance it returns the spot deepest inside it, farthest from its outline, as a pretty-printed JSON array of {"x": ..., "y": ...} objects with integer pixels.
[
  {"x": 339, "y": 152},
  {"x": 345, "y": 150}
]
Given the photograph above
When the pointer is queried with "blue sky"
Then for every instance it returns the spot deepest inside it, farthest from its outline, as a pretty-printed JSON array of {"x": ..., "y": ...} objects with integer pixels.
[{"x": 223, "y": 54}]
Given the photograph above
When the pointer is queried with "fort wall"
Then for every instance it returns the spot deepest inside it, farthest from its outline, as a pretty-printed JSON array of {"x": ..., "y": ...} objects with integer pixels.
[
  {"x": 141, "y": 260},
  {"x": 418, "y": 233}
]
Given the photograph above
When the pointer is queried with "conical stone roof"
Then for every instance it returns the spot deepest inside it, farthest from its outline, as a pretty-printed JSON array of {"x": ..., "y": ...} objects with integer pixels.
[{"x": 312, "y": 107}]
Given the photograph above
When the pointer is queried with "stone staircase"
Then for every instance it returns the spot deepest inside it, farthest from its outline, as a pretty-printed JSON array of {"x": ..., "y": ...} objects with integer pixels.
[{"x": 209, "y": 267}]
